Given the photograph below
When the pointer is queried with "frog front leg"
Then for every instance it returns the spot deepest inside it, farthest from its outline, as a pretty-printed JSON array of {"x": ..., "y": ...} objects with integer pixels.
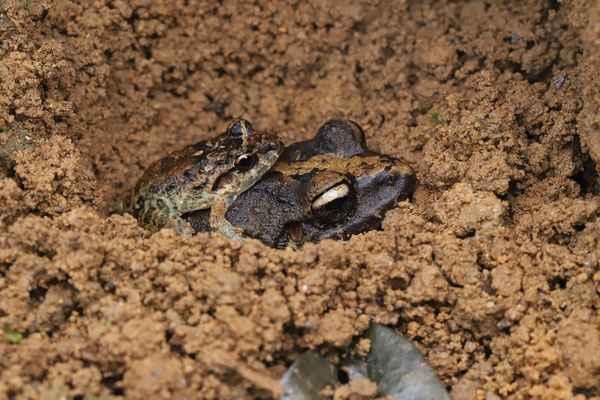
[
  {"x": 174, "y": 221},
  {"x": 218, "y": 222}
]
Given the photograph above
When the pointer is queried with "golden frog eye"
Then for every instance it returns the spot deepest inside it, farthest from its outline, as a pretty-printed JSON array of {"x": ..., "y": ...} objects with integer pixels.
[
  {"x": 333, "y": 204},
  {"x": 245, "y": 162}
]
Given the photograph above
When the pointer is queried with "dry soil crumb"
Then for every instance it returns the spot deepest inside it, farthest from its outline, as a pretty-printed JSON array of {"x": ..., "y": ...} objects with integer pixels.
[{"x": 357, "y": 389}]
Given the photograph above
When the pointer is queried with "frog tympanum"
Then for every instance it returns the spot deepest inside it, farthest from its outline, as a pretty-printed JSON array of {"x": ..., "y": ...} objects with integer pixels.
[
  {"x": 207, "y": 175},
  {"x": 331, "y": 186}
]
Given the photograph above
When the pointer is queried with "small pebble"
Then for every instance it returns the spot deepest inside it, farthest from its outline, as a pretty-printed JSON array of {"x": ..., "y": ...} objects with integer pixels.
[{"x": 558, "y": 81}]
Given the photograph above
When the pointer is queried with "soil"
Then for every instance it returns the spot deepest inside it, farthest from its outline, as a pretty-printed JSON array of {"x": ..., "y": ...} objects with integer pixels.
[{"x": 492, "y": 269}]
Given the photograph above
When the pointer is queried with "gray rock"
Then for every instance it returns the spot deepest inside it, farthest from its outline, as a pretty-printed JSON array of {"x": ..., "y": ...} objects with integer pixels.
[
  {"x": 400, "y": 369},
  {"x": 307, "y": 377},
  {"x": 394, "y": 363}
]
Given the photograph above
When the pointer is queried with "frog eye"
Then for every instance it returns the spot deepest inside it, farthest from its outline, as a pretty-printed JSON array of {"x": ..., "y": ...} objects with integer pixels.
[
  {"x": 334, "y": 204},
  {"x": 245, "y": 162},
  {"x": 295, "y": 234}
]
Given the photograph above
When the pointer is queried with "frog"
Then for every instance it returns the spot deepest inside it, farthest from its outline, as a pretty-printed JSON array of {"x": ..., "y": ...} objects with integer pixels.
[
  {"x": 207, "y": 175},
  {"x": 328, "y": 187}
]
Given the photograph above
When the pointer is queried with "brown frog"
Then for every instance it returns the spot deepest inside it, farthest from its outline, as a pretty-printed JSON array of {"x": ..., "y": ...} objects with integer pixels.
[
  {"x": 331, "y": 186},
  {"x": 209, "y": 174}
]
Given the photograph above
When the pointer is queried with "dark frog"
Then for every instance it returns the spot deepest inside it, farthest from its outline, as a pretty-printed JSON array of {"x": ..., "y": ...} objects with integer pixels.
[{"x": 331, "y": 186}]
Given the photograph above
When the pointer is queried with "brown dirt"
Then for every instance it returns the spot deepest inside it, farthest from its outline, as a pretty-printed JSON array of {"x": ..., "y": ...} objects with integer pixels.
[{"x": 493, "y": 269}]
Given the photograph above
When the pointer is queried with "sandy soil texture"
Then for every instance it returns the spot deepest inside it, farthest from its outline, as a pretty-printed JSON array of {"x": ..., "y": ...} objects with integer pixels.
[{"x": 492, "y": 269}]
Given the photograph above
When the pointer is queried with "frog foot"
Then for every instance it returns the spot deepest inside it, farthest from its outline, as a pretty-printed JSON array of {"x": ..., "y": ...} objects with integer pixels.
[
  {"x": 219, "y": 224},
  {"x": 158, "y": 219},
  {"x": 229, "y": 231},
  {"x": 179, "y": 224}
]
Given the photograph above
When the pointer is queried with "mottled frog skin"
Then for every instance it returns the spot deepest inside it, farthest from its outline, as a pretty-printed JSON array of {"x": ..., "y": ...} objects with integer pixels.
[
  {"x": 209, "y": 174},
  {"x": 331, "y": 186}
]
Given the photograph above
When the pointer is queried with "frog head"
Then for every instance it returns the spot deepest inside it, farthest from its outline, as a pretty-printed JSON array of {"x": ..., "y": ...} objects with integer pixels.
[{"x": 239, "y": 157}]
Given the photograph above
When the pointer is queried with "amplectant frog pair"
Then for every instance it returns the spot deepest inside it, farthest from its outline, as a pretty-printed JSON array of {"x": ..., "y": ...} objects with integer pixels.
[{"x": 331, "y": 186}]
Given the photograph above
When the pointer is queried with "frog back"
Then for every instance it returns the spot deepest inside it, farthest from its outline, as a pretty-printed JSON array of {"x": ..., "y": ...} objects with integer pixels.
[{"x": 183, "y": 175}]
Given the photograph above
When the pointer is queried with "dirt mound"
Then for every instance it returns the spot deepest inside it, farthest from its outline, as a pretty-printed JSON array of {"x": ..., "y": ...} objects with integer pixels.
[{"x": 492, "y": 269}]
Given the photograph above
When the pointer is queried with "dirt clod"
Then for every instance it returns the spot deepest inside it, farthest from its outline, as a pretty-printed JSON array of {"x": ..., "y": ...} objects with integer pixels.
[{"x": 492, "y": 269}]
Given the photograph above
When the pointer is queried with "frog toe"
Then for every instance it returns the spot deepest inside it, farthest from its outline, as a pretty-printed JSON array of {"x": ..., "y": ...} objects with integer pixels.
[
  {"x": 186, "y": 232},
  {"x": 230, "y": 232}
]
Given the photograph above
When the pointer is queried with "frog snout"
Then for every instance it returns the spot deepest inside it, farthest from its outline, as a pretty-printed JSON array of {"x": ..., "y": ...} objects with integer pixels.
[
  {"x": 271, "y": 146},
  {"x": 405, "y": 179},
  {"x": 400, "y": 169}
]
